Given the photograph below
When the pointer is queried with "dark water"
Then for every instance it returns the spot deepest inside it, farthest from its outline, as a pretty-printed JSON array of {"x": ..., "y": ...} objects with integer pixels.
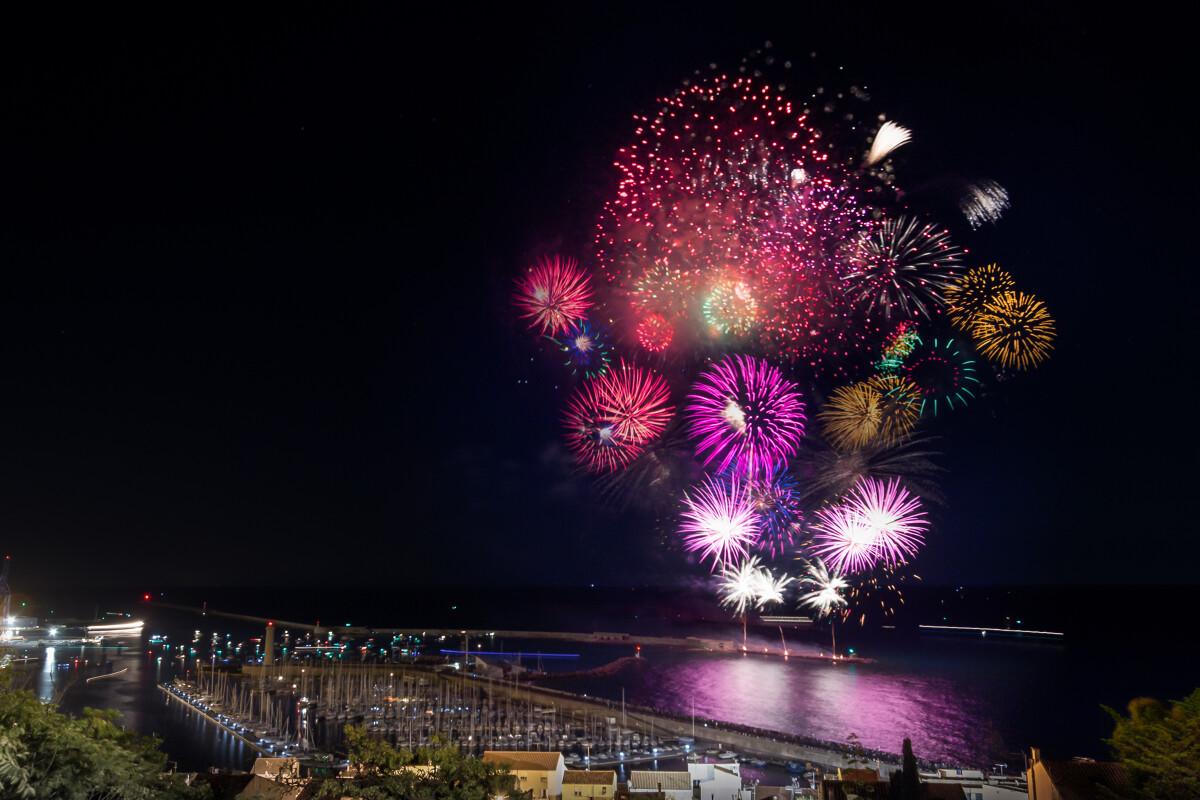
[{"x": 966, "y": 701}]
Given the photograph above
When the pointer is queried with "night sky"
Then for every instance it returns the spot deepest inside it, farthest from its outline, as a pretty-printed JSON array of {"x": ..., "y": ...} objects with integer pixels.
[{"x": 255, "y": 272}]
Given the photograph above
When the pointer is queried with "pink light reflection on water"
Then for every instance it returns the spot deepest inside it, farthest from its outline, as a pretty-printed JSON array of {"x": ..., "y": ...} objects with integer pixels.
[{"x": 826, "y": 701}]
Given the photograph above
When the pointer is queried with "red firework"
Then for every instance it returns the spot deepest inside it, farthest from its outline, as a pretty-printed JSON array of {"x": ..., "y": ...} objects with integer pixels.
[
  {"x": 553, "y": 294},
  {"x": 655, "y": 333},
  {"x": 610, "y": 418}
]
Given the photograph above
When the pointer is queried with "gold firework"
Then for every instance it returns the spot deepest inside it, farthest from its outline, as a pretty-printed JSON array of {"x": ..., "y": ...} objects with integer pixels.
[
  {"x": 851, "y": 417},
  {"x": 967, "y": 296},
  {"x": 899, "y": 406},
  {"x": 1015, "y": 330}
]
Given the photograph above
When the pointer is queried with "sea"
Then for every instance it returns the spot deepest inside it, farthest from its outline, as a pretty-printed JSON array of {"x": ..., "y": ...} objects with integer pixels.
[{"x": 964, "y": 698}]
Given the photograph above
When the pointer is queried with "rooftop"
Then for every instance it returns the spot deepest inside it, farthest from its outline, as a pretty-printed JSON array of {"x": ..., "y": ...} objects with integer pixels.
[
  {"x": 651, "y": 780},
  {"x": 524, "y": 759},
  {"x": 600, "y": 777}
]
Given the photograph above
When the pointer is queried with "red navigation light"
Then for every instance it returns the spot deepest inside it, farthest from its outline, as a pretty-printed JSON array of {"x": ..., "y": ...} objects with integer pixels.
[
  {"x": 146, "y": 596},
  {"x": 270, "y": 624}
]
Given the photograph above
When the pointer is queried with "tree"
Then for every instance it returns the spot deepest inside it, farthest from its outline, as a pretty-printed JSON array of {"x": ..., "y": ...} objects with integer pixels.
[
  {"x": 440, "y": 772},
  {"x": 1159, "y": 746},
  {"x": 47, "y": 754},
  {"x": 906, "y": 784}
]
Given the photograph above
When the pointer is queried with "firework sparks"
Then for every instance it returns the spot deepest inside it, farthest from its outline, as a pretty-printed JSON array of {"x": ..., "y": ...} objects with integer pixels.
[
  {"x": 1015, "y": 330},
  {"x": 966, "y": 298},
  {"x": 592, "y": 434},
  {"x": 553, "y": 294},
  {"x": 825, "y": 588},
  {"x": 983, "y": 202},
  {"x": 889, "y": 137},
  {"x": 880, "y": 593},
  {"x": 739, "y": 586},
  {"x": 877, "y": 521},
  {"x": 745, "y": 416},
  {"x": 718, "y": 521},
  {"x": 902, "y": 267}
]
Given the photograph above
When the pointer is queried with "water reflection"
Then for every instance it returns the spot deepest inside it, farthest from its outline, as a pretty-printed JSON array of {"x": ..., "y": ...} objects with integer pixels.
[{"x": 46, "y": 677}]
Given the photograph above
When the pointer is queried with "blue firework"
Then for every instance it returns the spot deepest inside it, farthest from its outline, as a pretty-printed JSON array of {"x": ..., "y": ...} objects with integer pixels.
[
  {"x": 776, "y": 500},
  {"x": 586, "y": 347}
]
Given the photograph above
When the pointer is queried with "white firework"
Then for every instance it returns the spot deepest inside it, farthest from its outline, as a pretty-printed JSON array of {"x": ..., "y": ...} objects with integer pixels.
[
  {"x": 985, "y": 201},
  {"x": 769, "y": 589},
  {"x": 826, "y": 589},
  {"x": 887, "y": 138},
  {"x": 739, "y": 586}
]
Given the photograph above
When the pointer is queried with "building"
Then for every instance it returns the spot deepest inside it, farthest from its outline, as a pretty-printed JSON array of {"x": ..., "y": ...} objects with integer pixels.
[
  {"x": 671, "y": 785},
  {"x": 539, "y": 772},
  {"x": 1077, "y": 779},
  {"x": 974, "y": 785},
  {"x": 854, "y": 784},
  {"x": 601, "y": 783},
  {"x": 716, "y": 781}
]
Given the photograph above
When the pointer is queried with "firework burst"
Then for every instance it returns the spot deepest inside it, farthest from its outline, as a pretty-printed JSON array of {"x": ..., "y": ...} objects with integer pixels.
[
  {"x": 877, "y": 521},
  {"x": 983, "y": 202},
  {"x": 745, "y": 416},
  {"x": 889, "y": 137},
  {"x": 899, "y": 406},
  {"x": 944, "y": 372},
  {"x": 610, "y": 418},
  {"x": 777, "y": 503},
  {"x": 901, "y": 267},
  {"x": 553, "y": 294},
  {"x": 851, "y": 416},
  {"x": 586, "y": 347},
  {"x": 718, "y": 521},
  {"x": 824, "y": 588},
  {"x": 730, "y": 307},
  {"x": 967, "y": 296},
  {"x": 655, "y": 333},
  {"x": 1015, "y": 330}
]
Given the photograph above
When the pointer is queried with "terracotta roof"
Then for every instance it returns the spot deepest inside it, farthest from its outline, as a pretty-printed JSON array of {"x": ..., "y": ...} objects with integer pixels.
[
  {"x": 599, "y": 777},
  {"x": 518, "y": 759},
  {"x": 649, "y": 779},
  {"x": 1078, "y": 780}
]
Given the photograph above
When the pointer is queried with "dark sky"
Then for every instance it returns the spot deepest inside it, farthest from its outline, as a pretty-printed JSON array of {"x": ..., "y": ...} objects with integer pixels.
[{"x": 254, "y": 317}]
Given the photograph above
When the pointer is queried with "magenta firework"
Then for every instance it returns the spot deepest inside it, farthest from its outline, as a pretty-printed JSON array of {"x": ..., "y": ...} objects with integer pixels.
[
  {"x": 745, "y": 416},
  {"x": 877, "y": 521}
]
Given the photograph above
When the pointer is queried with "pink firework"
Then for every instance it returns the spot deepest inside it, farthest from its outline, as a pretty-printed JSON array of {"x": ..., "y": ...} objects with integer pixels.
[
  {"x": 719, "y": 521},
  {"x": 592, "y": 434},
  {"x": 610, "y": 418},
  {"x": 876, "y": 521},
  {"x": 745, "y": 416},
  {"x": 553, "y": 294},
  {"x": 655, "y": 333}
]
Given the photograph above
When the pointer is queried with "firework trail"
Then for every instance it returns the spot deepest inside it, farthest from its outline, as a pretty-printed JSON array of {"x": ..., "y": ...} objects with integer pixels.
[
  {"x": 984, "y": 202},
  {"x": 889, "y": 137}
]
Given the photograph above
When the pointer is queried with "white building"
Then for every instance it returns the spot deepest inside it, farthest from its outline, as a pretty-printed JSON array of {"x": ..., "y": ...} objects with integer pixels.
[
  {"x": 718, "y": 781},
  {"x": 539, "y": 772}
]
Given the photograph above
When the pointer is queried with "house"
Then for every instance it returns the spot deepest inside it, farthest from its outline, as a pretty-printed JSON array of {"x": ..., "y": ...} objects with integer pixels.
[
  {"x": 974, "y": 785},
  {"x": 716, "y": 781},
  {"x": 539, "y": 772},
  {"x": 601, "y": 783},
  {"x": 1077, "y": 779},
  {"x": 773, "y": 792},
  {"x": 671, "y": 785}
]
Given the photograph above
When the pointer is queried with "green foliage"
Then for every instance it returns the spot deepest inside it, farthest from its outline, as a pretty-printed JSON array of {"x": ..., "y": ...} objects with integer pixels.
[
  {"x": 1159, "y": 746},
  {"x": 384, "y": 772},
  {"x": 47, "y": 754}
]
